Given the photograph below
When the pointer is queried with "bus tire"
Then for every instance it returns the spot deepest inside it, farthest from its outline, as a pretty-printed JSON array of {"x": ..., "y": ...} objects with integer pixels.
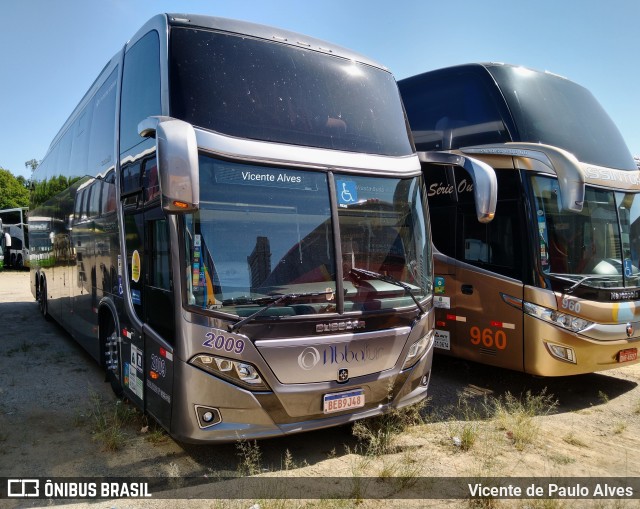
[
  {"x": 19, "y": 263},
  {"x": 43, "y": 301},
  {"x": 110, "y": 342}
]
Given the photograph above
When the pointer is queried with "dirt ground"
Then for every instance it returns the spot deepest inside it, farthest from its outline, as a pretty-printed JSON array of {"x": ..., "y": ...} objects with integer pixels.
[{"x": 53, "y": 395}]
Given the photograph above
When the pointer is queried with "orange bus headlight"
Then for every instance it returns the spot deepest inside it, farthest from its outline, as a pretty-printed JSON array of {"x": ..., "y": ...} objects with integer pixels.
[
  {"x": 566, "y": 321},
  {"x": 240, "y": 373}
]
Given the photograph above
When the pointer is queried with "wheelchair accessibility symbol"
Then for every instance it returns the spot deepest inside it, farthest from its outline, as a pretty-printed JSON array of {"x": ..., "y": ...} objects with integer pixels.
[{"x": 347, "y": 192}]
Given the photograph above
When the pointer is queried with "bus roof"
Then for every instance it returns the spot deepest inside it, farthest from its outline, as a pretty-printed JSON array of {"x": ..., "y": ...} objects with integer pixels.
[
  {"x": 214, "y": 23},
  {"x": 268, "y": 33}
]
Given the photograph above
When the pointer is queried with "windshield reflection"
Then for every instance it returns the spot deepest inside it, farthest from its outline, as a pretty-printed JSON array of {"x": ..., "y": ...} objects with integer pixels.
[
  {"x": 598, "y": 247},
  {"x": 263, "y": 232}
]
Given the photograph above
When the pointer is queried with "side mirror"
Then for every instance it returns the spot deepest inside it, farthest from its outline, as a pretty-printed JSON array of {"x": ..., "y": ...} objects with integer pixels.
[
  {"x": 485, "y": 183},
  {"x": 178, "y": 166}
]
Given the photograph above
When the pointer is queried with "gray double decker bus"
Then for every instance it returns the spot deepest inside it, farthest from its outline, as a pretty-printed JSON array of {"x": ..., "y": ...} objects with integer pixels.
[{"x": 239, "y": 232}]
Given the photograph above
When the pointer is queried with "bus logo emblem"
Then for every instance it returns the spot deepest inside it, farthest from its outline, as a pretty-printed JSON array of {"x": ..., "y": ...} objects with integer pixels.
[
  {"x": 343, "y": 375},
  {"x": 629, "y": 330}
]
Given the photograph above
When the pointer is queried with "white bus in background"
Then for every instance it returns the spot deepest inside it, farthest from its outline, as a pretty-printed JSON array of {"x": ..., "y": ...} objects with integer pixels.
[{"x": 16, "y": 249}]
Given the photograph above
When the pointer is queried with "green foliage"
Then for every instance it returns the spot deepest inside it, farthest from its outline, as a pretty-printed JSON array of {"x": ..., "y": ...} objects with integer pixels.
[
  {"x": 13, "y": 192},
  {"x": 46, "y": 189}
]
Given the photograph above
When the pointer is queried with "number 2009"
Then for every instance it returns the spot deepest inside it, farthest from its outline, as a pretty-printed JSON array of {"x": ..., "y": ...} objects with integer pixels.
[
  {"x": 488, "y": 338},
  {"x": 223, "y": 343}
]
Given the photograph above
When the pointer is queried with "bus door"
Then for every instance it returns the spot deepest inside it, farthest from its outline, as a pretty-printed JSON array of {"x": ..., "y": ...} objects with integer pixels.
[
  {"x": 148, "y": 360},
  {"x": 475, "y": 264},
  {"x": 488, "y": 276}
]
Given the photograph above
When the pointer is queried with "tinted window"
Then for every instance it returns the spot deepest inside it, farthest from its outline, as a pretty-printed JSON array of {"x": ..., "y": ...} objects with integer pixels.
[
  {"x": 452, "y": 110},
  {"x": 102, "y": 136},
  {"x": 140, "y": 88},
  {"x": 270, "y": 91},
  {"x": 555, "y": 111},
  {"x": 456, "y": 231},
  {"x": 160, "y": 266}
]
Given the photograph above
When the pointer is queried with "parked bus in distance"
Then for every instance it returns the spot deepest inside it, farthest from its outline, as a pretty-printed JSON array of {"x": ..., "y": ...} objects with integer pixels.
[
  {"x": 242, "y": 240},
  {"x": 3, "y": 244},
  {"x": 14, "y": 223},
  {"x": 551, "y": 286}
]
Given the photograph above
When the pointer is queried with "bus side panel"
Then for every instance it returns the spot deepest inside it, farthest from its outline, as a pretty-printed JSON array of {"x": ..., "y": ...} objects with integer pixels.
[
  {"x": 444, "y": 301},
  {"x": 488, "y": 330}
]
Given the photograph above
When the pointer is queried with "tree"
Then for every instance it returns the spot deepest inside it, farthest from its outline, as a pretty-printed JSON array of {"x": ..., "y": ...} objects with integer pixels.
[
  {"x": 12, "y": 192},
  {"x": 31, "y": 163}
]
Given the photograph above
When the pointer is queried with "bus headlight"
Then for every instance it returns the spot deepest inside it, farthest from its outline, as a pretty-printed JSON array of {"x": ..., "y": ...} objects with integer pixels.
[
  {"x": 240, "y": 373},
  {"x": 418, "y": 349},
  {"x": 569, "y": 322}
]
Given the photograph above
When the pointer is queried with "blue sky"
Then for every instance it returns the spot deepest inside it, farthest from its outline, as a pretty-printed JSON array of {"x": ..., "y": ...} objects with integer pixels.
[{"x": 51, "y": 51}]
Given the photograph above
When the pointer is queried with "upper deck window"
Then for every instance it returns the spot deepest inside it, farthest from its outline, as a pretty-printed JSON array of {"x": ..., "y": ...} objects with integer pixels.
[
  {"x": 555, "y": 111},
  {"x": 269, "y": 91}
]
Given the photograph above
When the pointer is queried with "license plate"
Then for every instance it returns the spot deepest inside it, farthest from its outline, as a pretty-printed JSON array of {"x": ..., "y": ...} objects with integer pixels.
[
  {"x": 630, "y": 354},
  {"x": 340, "y": 401}
]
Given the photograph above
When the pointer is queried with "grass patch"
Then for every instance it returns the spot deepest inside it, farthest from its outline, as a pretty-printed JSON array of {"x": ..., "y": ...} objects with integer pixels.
[
  {"x": 250, "y": 457},
  {"x": 109, "y": 420},
  {"x": 516, "y": 416},
  {"x": 377, "y": 435},
  {"x": 572, "y": 439}
]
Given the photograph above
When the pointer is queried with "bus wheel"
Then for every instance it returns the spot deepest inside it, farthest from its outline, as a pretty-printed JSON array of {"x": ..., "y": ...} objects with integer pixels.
[
  {"x": 43, "y": 302},
  {"x": 19, "y": 263},
  {"x": 111, "y": 341}
]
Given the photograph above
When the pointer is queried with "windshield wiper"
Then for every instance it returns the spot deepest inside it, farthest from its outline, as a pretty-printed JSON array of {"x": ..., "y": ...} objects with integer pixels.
[
  {"x": 576, "y": 284},
  {"x": 271, "y": 301},
  {"x": 391, "y": 280}
]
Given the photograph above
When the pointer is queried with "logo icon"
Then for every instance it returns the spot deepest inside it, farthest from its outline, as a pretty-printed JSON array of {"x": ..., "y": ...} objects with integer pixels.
[
  {"x": 629, "y": 330},
  {"x": 343, "y": 375},
  {"x": 309, "y": 358},
  {"x": 21, "y": 488}
]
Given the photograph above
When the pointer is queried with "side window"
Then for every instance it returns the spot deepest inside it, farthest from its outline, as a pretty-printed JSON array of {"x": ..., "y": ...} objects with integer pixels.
[
  {"x": 151, "y": 183},
  {"x": 140, "y": 88},
  {"x": 95, "y": 198},
  {"x": 495, "y": 246},
  {"x": 453, "y": 110},
  {"x": 102, "y": 136},
  {"x": 441, "y": 194},
  {"x": 109, "y": 193},
  {"x": 79, "y": 211},
  {"x": 160, "y": 260}
]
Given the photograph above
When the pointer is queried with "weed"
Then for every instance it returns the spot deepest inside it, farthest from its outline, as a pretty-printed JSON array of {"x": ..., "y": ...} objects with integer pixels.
[
  {"x": 250, "y": 457},
  {"x": 378, "y": 434},
  {"x": 156, "y": 435},
  {"x": 108, "y": 425},
  {"x": 571, "y": 439},
  {"x": 542, "y": 504},
  {"x": 24, "y": 348},
  {"x": 464, "y": 435},
  {"x": 603, "y": 397},
  {"x": 619, "y": 427},
  {"x": 516, "y": 416},
  {"x": 561, "y": 459}
]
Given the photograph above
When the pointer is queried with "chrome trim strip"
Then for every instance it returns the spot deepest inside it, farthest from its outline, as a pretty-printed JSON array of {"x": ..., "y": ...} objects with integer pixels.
[{"x": 283, "y": 154}]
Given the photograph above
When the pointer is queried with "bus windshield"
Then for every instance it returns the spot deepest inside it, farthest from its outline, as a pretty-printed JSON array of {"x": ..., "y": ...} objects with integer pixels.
[
  {"x": 263, "y": 90},
  {"x": 600, "y": 245},
  {"x": 263, "y": 231}
]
